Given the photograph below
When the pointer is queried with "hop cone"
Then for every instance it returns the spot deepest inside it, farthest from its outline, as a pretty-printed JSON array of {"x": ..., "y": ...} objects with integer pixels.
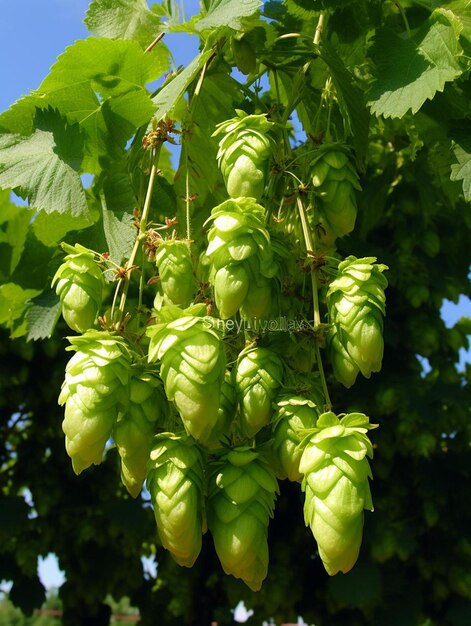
[
  {"x": 241, "y": 257},
  {"x": 94, "y": 392},
  {"x": 334, "y": 180},
  {"x": 134, "y": 430},
  {"x": 294, "y": 415},
  {"x": 175, "y": 482},
  {"x": 244, "y": 149},
  {"x": 173, "y": 260},
  {"x": 226, "y": 413},
  {"x": 258, "y": 377},
  {"x": 192, "y": 368},
  {"x": 79, "y": 284},
  {"x": 241, "y": 500},
  {"x": 356, "y": 304},
  {"x": 335, "y": 482}
]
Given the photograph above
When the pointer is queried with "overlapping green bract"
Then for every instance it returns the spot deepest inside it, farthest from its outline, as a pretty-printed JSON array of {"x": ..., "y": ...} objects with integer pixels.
[
  {"x": 258, "y": 375},
  {"x": 175, "y": 482},
  {"x": 336, "y": 487},
  {"x": 356, "y": 303},
  {"x": 79, "y": 284},
  {"x": 334, "y": 180},
  {"x": 244, "y": 149},
  {"x": 242, "y": 259},
  {"x": 192, "y": 367},
  {"x": 226, "y": 413},
  {"x": 241, "y": 499},
  {"x": 294, "y": 415},
  {"x": 173, "y": 260},
  {"x": 95, "y": 392},
  {"x": 133, "y": 432}
]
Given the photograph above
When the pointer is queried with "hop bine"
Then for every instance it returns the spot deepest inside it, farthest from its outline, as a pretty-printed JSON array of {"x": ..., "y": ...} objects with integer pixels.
[
  {"x": 192, "y": 367},
  {"x": 258, "y": 375},
  {"x": 335, "y": 483},
  {"x": 134, "y": 429},
  {"x": 241, "y": 500},
  {"x": 79, "y": 284},
  {"x": 242, "y": 259},
  {"x": 244, "y": 149},
  {"x": 175, "y": 482},
  {"x": 95, "y": 392},
  {"x": 173, "y": 260},
  {"x": 356, "y": 304},
  {"x": 334, "y": 180}
]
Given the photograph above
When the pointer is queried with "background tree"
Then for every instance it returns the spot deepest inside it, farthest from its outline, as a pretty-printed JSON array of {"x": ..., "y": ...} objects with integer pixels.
[{"x": 390, "y": 80}]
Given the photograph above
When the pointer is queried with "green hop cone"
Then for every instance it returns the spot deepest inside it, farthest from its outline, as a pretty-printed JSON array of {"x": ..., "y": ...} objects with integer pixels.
[
  {"x": 293, "y": 416},
  {"x": 244, "y": 149},
  {"x": 242, "y": 262},
  {"x": 173, "y": 260},
  {"x": 334, "y": 180},
  {"x": 175, "y": 481},
  {"x": 241, "y": 500},
  {"x": 226, "y": 413},
  {"x": 95, "y": 391},
  {"x": 336, "y": 487},
  {"x": 356, "y": 303},
  {"x": 79, "y": 284},
  {"x": 258, "y": 376},
  {"x": 134, "y": 430},
  {"x": 192, "y": 368}
]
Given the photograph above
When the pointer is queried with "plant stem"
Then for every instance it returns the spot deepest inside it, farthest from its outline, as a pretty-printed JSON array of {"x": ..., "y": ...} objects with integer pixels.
[
  {"x": 315, "y": 298},
  {"x": 142, "y": 230}
]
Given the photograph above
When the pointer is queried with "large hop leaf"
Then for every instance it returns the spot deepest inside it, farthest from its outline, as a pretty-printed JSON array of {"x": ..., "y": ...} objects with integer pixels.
[
  {"x": 356, "y": 303},
  {"x": 192, "y": 368},
  {"x": 173, "y": 259},
  {"x": 79, "y": 284},
  {"x": 134, "y": 430},
  {"x": 294, "y": 415},
  {"x": 94, "y": 392},
  {"x": 241, "y": 500},
  {"x": 334, "y": 180},
  {"x": 258, "y": 376},
  {"x": 244, "y": 149},
  {"x": 335, "y": 483},
  {"x": 242, "y": 259},
  {"x": 175, "y": 482}
]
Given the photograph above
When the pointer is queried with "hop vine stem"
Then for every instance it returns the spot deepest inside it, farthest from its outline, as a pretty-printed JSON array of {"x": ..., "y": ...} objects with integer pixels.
[{"x": 315, "y": 298}]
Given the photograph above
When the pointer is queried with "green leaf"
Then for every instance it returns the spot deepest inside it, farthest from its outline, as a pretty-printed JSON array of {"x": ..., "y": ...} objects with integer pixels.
[
  {"x": 351, "y": 100},
  {"x": 462, "y": 170},
  {"x": 171, "y": 92},
  {"x": 118, "y": 203},
  {"x": 50, "y": 229},
  {"x": 123, "y": 19},
  {"x": 13, "y": 299},
  {"x": 112, "y": 67},
  {"x": 14, "y": 224},
  {"x": 44, "y": 167},
  {"x": 412, "y": 70},
  {"x": 42, "y": 315},
  {"x": 462, "y": 9},
  {"x": 228, "y": 13}
]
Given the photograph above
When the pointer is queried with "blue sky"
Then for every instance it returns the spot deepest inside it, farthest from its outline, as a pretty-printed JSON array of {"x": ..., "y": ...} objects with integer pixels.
[{"x": 34, "y": 33}]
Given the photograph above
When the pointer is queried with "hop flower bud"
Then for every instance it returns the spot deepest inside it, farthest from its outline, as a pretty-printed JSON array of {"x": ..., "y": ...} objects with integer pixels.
[
  {"x": 94, "y": 392},
  {"x": 242, "y": 259},
  {"x": 241, "y": 500},
  {"x": 335, "y": 483},
  {"x": 173, "y": 260},
  {"x": 244, "y": 149},
  {"x": 134, "y": 430},
  {"x": 175, "y": 482},
  {"x": 334, "y": 180},
  {"x": 258, "y": 376},
  {"x": 79, "y": 284},
  {"x": 192, "y": 368},
  {"x": 226, "y": 413},
  {"x": 294, "y": 415},
  {"x": 356, "y": 304}
]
